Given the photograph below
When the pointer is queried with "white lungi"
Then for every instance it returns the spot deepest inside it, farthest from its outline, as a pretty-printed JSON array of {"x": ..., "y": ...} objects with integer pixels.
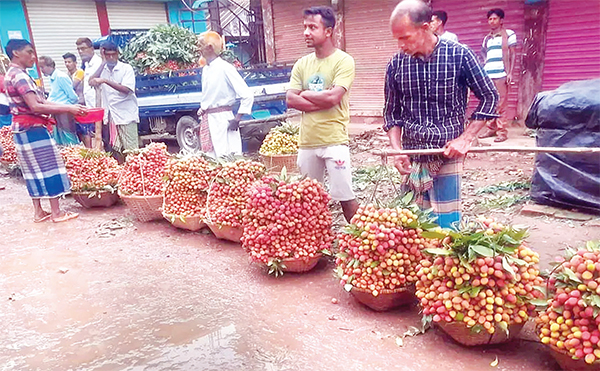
[{"x": 224, "y": 141}]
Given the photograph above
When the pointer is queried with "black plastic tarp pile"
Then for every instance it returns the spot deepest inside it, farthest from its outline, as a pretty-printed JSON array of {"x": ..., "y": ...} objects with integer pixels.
[
  {"x": 254, "y": 134},
  {"x": 567, "y": 117}
]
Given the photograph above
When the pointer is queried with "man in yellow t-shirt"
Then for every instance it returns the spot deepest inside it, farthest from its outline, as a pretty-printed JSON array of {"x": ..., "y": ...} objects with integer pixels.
[
  {"x": 84, "y": 131},
  {"x": 76, "y": 74},
  {"x": 319, "y": 87}
]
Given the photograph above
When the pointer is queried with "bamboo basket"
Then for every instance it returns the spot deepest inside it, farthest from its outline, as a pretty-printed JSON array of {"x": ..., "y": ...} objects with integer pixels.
[
  {"x": 567, "y": 363},
  {"x": 101, "y": 199},
  {"x": 301, "y": 265},
  {"x": 144, "y": 208},
  {"x": 463, "y": 334},
  {"x": 190, "y": 223},
  {"x": 275, "y": 163},
  {"x": 386, "y": 300},
  {"x": 223, "y": 232}
]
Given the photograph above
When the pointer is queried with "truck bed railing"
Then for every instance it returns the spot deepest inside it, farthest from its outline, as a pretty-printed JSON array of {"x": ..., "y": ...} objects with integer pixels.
[{"x": 186, "y": 81}]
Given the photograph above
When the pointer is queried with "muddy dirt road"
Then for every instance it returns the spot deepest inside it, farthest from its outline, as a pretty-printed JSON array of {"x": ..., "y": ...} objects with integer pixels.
[{"x": 105, "y": 293}]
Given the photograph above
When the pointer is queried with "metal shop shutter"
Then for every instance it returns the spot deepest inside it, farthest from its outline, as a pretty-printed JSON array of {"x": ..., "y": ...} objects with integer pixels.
[
  {"x": 56, "y": 24},
  {"x": 572, "y": 43},
  {"x": 467, "y": 19},
  {"x": 370, "y": 42},
  {"x": 134, "y": 15},
  {"x": 288, "y": 28}
]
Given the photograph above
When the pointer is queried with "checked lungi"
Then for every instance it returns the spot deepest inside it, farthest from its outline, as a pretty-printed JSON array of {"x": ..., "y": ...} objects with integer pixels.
[
  {"x": 440, "y": 191},
  {"x": 215, "y": 137},
  {"x": 40, "y": 161}
]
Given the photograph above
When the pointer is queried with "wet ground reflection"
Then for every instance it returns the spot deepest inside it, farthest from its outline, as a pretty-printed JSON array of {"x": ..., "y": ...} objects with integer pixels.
[{"x": 213, "y": 351}]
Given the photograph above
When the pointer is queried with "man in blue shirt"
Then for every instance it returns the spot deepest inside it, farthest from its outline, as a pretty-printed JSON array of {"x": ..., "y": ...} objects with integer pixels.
[{"x": 61, "y": 91}]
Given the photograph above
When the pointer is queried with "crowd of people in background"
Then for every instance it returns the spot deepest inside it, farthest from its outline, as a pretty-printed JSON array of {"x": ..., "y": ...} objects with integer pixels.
[
  {"x": 39, "y": 158},
  {"x": 40, "y": 123},
  {"x": 319, "y": 87},
  {"x": 74, "y": 86}
]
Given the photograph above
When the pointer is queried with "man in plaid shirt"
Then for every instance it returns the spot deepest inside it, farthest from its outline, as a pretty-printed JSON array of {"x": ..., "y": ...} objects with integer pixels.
[{"x": 426, "y": 89}]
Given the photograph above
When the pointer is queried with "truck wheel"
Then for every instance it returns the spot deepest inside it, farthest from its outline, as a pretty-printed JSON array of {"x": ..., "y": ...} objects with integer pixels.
[{"x": 187, "y": 132}]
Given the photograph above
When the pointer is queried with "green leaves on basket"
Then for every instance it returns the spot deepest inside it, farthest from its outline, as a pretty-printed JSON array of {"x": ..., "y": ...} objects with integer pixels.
[
  {"x": 470, "y": 241},
  {"x": 434, "y": 235},
  {"x": 477, "y": 329},
  {"x": 438, "y": 251},
  {"x": 504, "y": 327},
  {"x": 542, "y": 303},
  {"x": 288, "y": 128},
  {"x": 284, "y": 177}
]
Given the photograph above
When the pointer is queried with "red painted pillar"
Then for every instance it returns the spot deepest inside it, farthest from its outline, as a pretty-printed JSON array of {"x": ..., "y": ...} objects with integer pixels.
[{"x": 103, "y": 17}]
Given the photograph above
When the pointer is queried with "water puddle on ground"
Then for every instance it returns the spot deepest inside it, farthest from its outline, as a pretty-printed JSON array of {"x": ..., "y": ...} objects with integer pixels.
[{"x": 213, "y": 351}]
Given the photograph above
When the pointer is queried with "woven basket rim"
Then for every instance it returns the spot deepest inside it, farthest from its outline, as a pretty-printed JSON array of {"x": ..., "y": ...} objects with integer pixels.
[
  {"x": 220, "y": 226},
  {"x": 384, "y": 292},
  {"x": 282, "y": 155},
  {"x": 562, "y": 352},
  {"x": 167, "y": 215},
  {"x": 88, "y": 192},
  {"x": 566, "y": 354},
  {"x": 555, "y": 349},
  {"x": 139, "y": 197},
  {"x": 285, "y": 155},
  {"x": 317, "y": 256},
  {"x": 463, "y": 325}
]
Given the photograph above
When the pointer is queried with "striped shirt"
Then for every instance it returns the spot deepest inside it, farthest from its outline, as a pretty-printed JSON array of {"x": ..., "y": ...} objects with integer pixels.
[
  {"x": 17, "y": 84},
  {"x": 428, "y": 98},
  {"x": 494, "y": 66}
]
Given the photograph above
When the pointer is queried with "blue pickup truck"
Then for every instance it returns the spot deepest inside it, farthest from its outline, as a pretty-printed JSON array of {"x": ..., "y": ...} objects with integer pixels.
[{"x": 168, "y": 102}]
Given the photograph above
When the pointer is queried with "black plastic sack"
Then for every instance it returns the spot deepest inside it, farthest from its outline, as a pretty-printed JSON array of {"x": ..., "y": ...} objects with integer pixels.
[
  {"x": 567, "y": 117},
  {"x": 254, "y": 134}
]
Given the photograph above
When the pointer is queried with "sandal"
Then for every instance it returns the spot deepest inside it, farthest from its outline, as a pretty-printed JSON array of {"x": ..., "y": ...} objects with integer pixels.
[
  {"x": 42, "y": 219},
  {"x": 67, "y": 216}
]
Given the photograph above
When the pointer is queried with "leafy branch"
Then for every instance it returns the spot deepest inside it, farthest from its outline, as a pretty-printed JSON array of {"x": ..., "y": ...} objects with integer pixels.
[
  {"x": 472, "y": 240},
  {"x": 508, "y": 186}
]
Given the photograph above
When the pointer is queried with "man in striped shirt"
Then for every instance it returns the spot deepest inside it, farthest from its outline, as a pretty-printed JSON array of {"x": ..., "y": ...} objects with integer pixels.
[
  {"x": 498, "y": 50},
  {"x": 426, "y": 99}
]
